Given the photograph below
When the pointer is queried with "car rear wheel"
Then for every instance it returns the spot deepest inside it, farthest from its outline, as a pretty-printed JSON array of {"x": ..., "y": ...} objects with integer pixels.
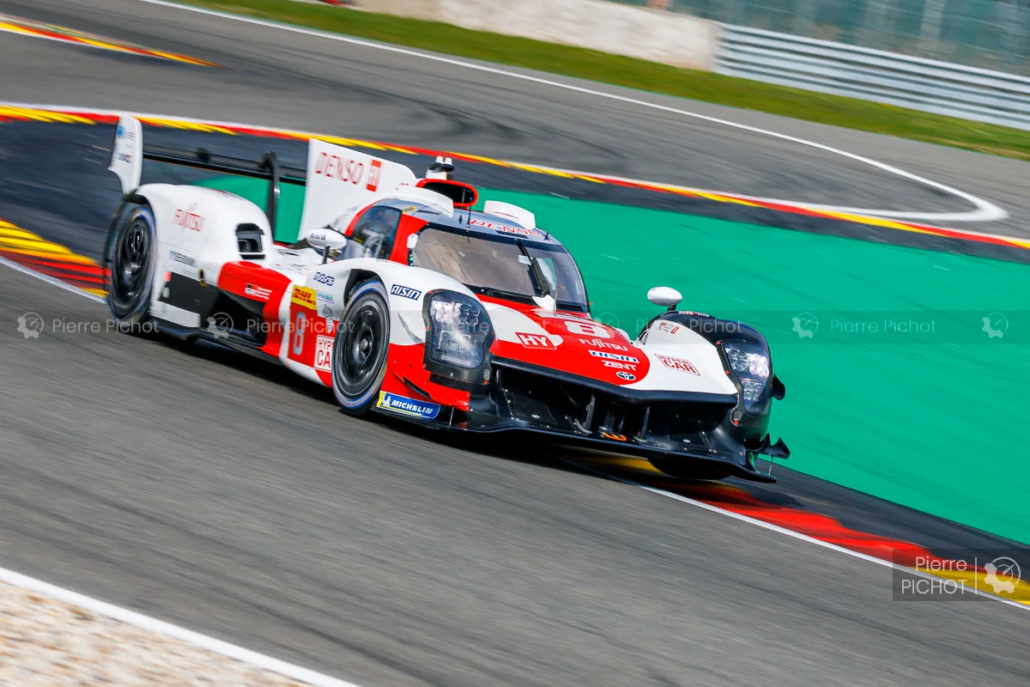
[
  {"x": 130, "y": 261},
  {"x": 360, "y": 348}
]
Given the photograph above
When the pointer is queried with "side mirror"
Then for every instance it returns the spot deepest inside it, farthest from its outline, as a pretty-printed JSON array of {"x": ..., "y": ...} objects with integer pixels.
[
  {"x": 665, "y": 296},
  {"x": 325, "y": 238}
]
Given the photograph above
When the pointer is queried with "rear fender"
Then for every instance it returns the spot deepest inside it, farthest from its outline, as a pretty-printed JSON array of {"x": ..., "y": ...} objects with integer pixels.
[{"x": 199, "y": 226}]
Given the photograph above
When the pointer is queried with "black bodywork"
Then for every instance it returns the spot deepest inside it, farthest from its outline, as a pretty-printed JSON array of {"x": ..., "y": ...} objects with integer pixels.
[{"x": 690, "y": 435}]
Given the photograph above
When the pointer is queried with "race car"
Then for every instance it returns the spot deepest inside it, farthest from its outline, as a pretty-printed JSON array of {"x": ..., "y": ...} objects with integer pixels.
[{"x": 405, "y": 300}]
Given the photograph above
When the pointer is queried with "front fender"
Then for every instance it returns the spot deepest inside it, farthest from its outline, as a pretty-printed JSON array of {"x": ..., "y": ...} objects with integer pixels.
[{"x": 406, "y": 287}]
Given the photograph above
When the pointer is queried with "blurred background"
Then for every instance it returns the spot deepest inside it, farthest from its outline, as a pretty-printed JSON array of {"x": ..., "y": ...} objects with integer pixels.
[{"x": 993, "y": 34}]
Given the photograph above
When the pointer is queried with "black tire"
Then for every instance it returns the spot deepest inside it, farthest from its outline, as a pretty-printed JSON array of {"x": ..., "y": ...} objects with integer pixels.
[
  {"x": 131, "y": 260},
  {"x": 360, "y": 348}
]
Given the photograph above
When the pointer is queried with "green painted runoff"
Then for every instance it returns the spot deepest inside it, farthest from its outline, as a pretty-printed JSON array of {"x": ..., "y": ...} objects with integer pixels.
[{"x": 899, "y": 391}]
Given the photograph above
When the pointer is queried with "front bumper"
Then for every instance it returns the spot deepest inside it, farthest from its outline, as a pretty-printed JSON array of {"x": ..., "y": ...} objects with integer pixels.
[{"x": 681, "y": 434}]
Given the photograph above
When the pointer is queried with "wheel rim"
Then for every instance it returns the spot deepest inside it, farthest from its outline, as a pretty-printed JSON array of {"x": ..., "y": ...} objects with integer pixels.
[
  {"x": 130, "y": 268},
  {"x": 358, "y": 355}
]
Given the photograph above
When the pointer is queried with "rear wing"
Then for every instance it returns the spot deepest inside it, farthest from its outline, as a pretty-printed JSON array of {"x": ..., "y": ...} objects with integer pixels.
[{"x": 336, "y": 178}]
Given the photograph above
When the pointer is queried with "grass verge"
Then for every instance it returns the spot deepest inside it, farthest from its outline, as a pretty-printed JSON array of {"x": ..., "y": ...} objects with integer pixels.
[{"x": 642, "y": 75}]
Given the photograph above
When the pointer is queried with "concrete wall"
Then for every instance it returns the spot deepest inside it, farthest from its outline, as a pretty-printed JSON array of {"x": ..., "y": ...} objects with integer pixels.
[{"x": 674, "y": 39}]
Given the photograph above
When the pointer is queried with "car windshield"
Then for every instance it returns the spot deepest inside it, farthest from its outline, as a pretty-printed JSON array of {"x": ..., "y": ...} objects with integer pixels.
[{"x": 502, "y": 266}]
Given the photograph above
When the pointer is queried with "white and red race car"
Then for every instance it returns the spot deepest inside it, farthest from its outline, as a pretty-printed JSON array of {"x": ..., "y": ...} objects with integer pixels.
[{"x": 406, "y": 301}]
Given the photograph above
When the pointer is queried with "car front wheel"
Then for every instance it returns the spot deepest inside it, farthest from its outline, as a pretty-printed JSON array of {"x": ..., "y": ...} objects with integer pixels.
[{"x": 360, "y": 348}]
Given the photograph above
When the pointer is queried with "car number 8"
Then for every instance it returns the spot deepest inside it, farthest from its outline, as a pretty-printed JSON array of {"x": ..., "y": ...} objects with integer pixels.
[
  {"x": 299, "y": 323},
  {"x": 587, "y": 329}
]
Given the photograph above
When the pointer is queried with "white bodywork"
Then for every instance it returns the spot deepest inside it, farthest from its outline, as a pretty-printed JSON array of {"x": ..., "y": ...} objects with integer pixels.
[{"x": 196, "y": 237}]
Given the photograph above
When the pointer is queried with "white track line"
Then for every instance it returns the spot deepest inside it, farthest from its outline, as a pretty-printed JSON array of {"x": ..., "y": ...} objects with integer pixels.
[
  {"x": 783, "y": 530},
  {"x": 321, "y": 680},
  {"x": 147, "y": 623},
  {"x": 297, "y": 132},
  {"x": 238, "y": 653},
  {"x": 985, "y": 210}
]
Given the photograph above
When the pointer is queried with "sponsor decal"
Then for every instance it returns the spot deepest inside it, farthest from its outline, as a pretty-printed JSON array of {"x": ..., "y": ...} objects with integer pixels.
[
  {"x": 184, "y": 259},
  {"x": 628, "y": 376},
  {"x": 123, "y": 157},
  {"x": 335, "y": 167},
  {"x": 600, "y": 343},
  {"x": 504, "y": 228},
  {"x": 613, "y": 356},
  {"x": 669, "y": 327},
  {"x": 619, "y": 366},
  {"x": 258, "y": 292},
  {"x": 327, "y": 297},
  {"x": 405, "y": 292},
  {"x": 547, "y": 314},
  {"x": 304, "y": 297},
  {"x": 691, "y": 312},
  {"x": 189, "y": 219},
  {"x": 127, "y": 134},
  {"x": 585, "y": 328},
  {"x": 375, "y": 173},
  {"x": 613, "y": 437},
  {"x": 327, "y": 312},
  {"x": 410, "y": 210},
  {"x": 407, "y": 406},
  {"x": 535, "y": 340},
  {"x": 677, "y": 364},
  {"x": 324, "y": 353},
  {"x": 324, "y": 279}
]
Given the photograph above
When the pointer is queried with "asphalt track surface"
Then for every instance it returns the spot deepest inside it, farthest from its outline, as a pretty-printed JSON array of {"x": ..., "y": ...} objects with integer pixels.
[
  {"x": 277, "y": 78},
  {"x": 226, "y": 495}
]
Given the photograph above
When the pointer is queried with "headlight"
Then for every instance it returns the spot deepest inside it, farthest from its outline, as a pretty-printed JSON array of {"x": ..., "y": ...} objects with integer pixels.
[
  {"x": 458, "y": 336},
  {"x": 750, "y": 364}
]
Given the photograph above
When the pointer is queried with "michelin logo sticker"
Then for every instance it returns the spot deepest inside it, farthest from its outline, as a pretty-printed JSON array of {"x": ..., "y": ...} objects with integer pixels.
[{"x": 407, "y": 406}]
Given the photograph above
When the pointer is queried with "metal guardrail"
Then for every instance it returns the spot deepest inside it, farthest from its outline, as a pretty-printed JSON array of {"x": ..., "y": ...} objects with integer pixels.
[{"x": 913, "y": 82}]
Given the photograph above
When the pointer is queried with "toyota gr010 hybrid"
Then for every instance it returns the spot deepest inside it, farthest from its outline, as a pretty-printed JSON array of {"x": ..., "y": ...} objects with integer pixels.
[{"x": 406, "y": 301}]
